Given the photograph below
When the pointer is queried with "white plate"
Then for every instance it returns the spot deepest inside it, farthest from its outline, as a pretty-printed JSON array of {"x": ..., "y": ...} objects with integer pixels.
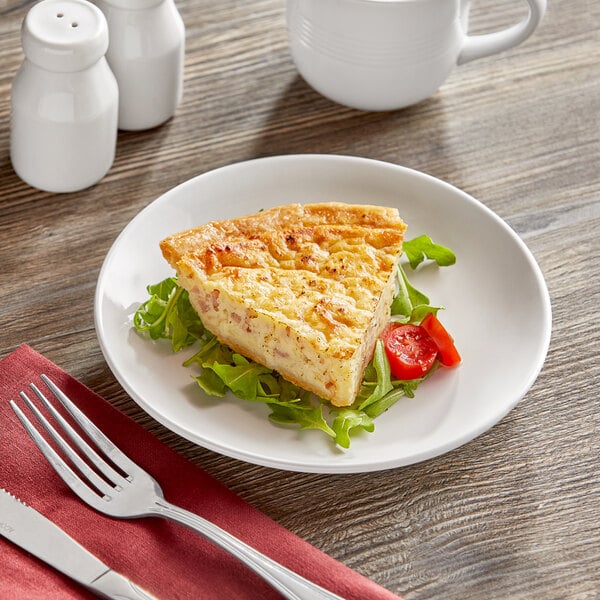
[{"x": 497, "y": 308}]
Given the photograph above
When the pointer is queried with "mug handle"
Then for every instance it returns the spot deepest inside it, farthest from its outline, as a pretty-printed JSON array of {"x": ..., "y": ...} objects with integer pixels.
[{"x": 478, "y": 46}]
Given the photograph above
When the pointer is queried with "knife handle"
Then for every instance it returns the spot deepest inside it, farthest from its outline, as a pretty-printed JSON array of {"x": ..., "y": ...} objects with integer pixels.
[{"x": 114, "y": 586}]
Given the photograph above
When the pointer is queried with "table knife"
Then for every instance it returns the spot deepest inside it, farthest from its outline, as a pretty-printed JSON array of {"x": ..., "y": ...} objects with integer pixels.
[{"x": 30, "y": 530}]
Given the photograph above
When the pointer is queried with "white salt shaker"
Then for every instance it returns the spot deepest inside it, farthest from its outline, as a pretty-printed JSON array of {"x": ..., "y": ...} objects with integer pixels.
[
  {"x": 64, "y": 100},
  {"x": 146, "y": 54}
]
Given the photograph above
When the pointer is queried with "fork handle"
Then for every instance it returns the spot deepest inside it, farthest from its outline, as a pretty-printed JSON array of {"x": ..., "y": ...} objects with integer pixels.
[{"x": 286, "y": 582}]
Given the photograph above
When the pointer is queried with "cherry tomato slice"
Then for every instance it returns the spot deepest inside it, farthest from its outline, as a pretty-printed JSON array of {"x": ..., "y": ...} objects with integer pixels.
[
  {"x": 448, "y": 354},
  {"x": 410, "y": 350}
]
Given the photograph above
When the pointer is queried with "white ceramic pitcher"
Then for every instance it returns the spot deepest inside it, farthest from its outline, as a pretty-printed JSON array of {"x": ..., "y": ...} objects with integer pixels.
[{"x": 388, "y": 54}]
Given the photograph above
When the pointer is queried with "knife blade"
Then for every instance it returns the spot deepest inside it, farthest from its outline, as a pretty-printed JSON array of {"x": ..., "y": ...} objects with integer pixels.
[{"x": 27, "y": 528}]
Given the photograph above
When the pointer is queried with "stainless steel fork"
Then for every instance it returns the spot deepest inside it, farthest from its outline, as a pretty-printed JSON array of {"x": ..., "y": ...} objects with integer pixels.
[{"x": 134, "y": 493}]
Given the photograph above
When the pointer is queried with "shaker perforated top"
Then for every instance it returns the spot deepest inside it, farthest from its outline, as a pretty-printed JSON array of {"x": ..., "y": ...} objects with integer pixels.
[{"x": 64, "y": 35}]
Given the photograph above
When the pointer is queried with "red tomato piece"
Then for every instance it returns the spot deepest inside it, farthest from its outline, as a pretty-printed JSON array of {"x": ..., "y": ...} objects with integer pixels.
[
  {"x": 410, "y": 350},
  {"x": 448, "y": 354}
]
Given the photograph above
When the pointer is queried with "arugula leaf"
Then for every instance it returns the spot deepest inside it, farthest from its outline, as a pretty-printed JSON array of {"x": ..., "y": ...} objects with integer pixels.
[
  {"x": 347, "y": 421},
  {"x": 400, "y": 389},
  {"x": 384, "y": 403},
  {"x": 211, "y": 383},
  {"x": 242, "y": 378},
  {"x": 402, "y": 304},
  {"x": 307, "y": 417},
  {"x": 410, "y": 305},
  {"x": 169, "y": 314},
  {"x": 422, "y": 247},
  {"x": 211, "y": 351},
  {"x": 415, "y": 297},
  {"x": 382, "y": 381}
]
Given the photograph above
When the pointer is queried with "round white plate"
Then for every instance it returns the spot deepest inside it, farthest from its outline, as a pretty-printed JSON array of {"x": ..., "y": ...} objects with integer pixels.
[{"x": 497, "y": 309}]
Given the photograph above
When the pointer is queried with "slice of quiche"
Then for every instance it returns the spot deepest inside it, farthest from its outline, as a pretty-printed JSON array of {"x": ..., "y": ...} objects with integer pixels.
[{"x": 303, "y": 289}]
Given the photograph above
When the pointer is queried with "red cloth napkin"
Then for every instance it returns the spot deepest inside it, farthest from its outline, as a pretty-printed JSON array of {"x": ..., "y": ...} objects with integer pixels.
[{"x": 165, "y": 558}]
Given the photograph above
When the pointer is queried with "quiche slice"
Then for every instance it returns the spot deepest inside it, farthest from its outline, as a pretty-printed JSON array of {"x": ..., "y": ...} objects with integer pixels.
[{"x": 302, "y": 289}]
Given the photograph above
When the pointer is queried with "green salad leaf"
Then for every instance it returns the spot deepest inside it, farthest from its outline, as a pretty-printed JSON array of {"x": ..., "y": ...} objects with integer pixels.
[
  {"x": 422, "y": 247},
  {"x": 349, "y": 421},
  {"x": 377, "y": 380},
  {"x": 168, "y": 314},
  {"x": 411, "y": 305},
  {"x": 306, "y": 415}
]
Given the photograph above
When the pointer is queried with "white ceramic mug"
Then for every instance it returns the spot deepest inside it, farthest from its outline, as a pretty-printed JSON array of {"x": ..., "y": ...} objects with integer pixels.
[{"x": 388, "y": 54}]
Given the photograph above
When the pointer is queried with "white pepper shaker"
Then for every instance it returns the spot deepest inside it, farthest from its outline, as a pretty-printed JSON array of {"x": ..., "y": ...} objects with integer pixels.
[
  {"x": 146, "y": 54},
  {"x": 64, "y": 99}
]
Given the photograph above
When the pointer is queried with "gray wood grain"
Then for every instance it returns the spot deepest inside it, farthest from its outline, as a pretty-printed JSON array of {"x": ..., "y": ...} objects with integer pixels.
[{"x": 514, "y": 513}]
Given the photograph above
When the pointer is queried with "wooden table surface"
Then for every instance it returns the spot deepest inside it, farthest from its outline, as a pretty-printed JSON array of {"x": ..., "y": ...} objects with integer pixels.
[{"x": 514, "y": 513}]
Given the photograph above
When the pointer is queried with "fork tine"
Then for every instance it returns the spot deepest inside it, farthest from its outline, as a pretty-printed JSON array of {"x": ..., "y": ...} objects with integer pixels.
[
  {"x": 93, "y": 456},
  {"x": 75, "y": 459},
  {"x": 60, "y": 466},
  {"x": 115, "y": 455}
]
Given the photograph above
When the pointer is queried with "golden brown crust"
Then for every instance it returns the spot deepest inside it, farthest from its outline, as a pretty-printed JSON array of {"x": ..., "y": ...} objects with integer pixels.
[
  {"x": 290, "y": 216},
  {"x": 303, "y": 289}
]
